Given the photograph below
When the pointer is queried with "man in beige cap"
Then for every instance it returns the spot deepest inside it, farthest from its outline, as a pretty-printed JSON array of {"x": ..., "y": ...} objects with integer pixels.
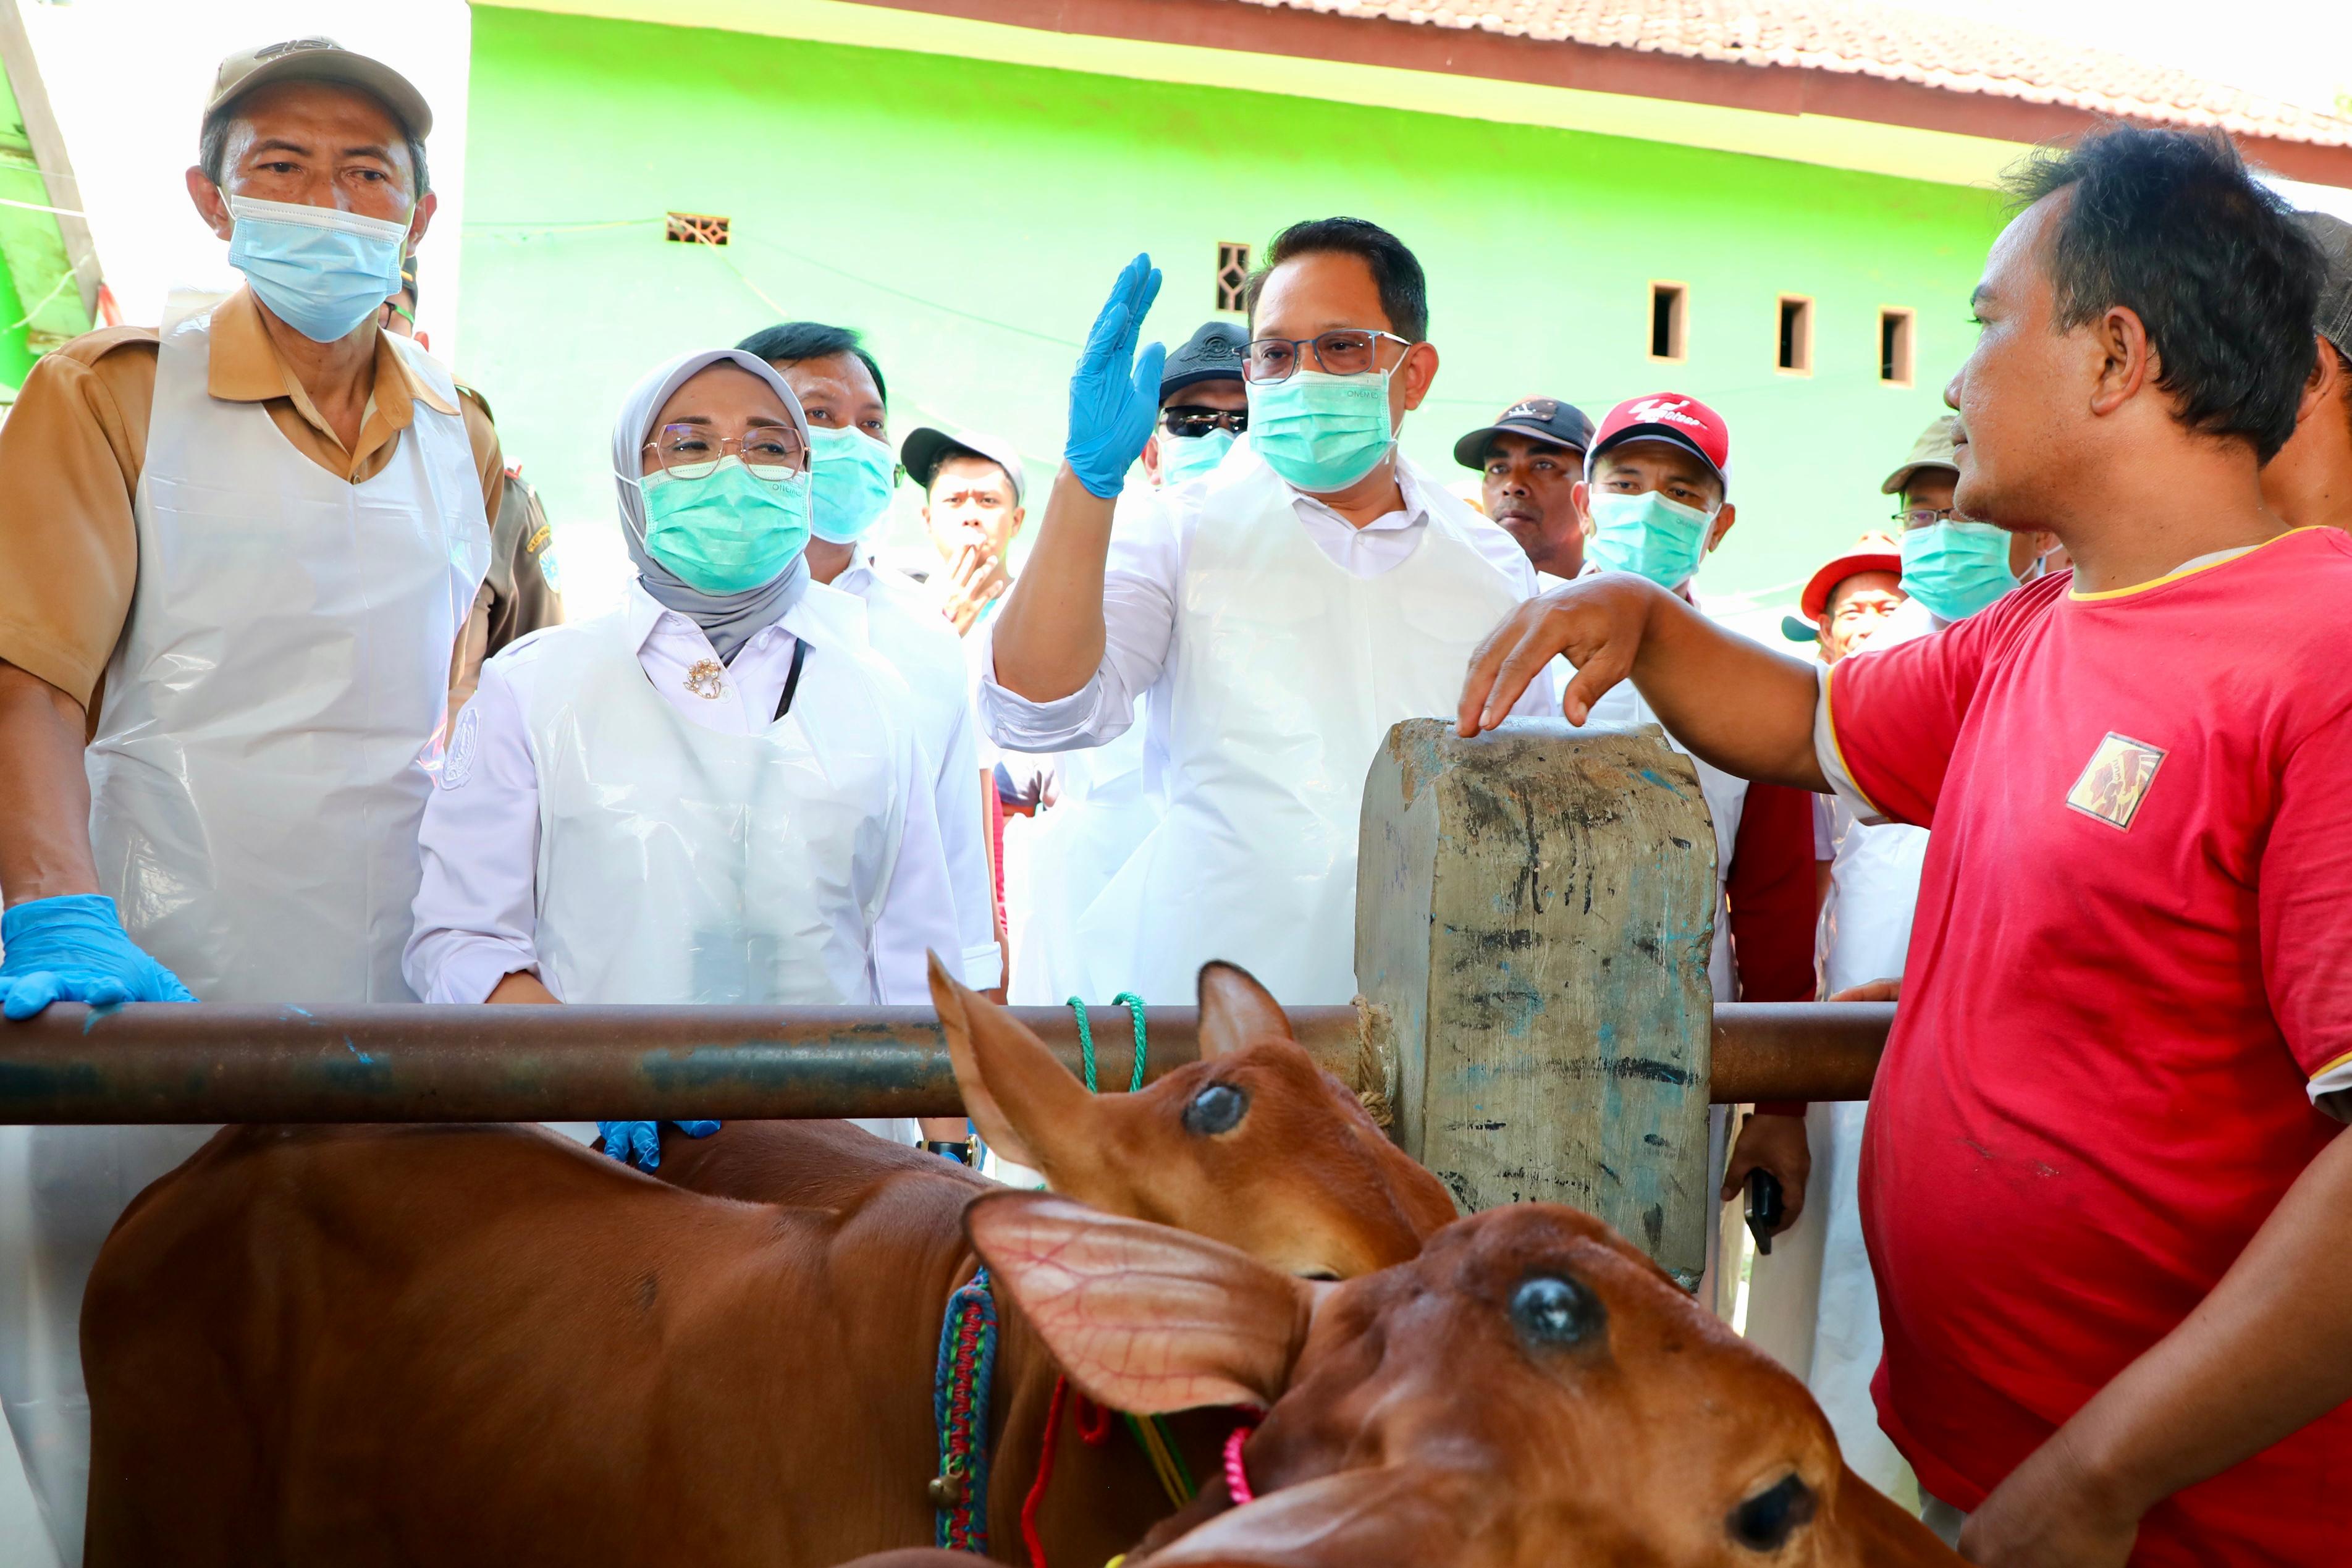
[
  {"x": 235, "y": 553},
  {"x": 1952, "y": 567},
  {"x": 2309, "y": 483}
]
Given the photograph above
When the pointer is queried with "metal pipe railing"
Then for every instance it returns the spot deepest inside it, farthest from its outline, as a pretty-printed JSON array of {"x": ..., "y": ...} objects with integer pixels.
[{"x": 214, "y": 1062}]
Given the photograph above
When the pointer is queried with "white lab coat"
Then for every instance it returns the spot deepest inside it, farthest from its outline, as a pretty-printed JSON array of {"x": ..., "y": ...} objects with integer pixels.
[
  {"x": 256, "y": 783},
  {"x": 1813, "y": 1303}
]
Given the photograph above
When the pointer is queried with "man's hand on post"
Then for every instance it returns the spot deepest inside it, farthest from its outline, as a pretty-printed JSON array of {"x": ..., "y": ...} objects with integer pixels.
[
  {"x": 1598, "y": 622},
  {"x": 1115, "y": 392}
]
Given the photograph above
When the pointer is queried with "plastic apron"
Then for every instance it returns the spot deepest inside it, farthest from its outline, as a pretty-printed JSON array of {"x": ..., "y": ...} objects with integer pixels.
[
  {"x": 679, "y": 865},
  {"x": 254, "y": 793},
  {"x": 1102, "y": 809},
  {"x": 1286, "y": 673}
]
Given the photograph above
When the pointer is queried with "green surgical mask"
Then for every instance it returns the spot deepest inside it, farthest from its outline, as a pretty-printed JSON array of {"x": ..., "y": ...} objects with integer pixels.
[
  {"x": 1648, "y": 535},
  {"x": 729, "y": 531},
  {"x": 1321, "y": 432},
  {"x": 854, "y": 475},
  {"x": 1185, "y": 458},
  {"x": 1957, "y": 567}
]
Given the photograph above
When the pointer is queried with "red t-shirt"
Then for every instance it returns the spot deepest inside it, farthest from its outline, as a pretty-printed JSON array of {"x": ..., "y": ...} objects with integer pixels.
[{"x": 2132, "y": 950}]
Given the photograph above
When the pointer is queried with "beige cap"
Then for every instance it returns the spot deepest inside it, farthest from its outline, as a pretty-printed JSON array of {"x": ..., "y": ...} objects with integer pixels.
[
  {"x": 1933, "y": 450},
  {"x": 322, "y": 60}
]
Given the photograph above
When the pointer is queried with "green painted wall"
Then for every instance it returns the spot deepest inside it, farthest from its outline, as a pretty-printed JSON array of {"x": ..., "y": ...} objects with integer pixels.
[{"x": 970, "y": 215}]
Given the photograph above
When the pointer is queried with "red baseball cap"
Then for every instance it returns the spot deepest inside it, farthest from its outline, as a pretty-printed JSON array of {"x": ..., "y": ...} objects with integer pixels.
[
  {"x": 1877, "y": 552},
  {"x": 1669, "y": 416}
]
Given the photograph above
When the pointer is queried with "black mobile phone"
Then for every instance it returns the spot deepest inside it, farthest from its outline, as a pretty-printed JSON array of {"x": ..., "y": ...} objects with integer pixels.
[{"x": 1763, "y": 1208}]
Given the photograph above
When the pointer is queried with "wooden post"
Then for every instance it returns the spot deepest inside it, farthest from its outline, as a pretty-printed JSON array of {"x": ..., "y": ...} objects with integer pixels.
[{"x": 1534, "y": 914}]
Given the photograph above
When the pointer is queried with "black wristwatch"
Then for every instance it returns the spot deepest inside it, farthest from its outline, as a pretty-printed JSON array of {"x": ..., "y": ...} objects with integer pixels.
[{"x": 959, "y": 1150}]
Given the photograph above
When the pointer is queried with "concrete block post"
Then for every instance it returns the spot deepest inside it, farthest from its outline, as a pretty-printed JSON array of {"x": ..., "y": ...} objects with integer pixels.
[{"x": 1534, "y": 914}]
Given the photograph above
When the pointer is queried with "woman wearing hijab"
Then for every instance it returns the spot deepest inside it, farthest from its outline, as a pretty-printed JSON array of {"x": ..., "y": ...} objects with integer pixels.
[{"x": 708, "y": 795}]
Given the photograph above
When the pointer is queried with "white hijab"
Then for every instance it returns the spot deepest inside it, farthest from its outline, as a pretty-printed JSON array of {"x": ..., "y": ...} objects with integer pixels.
[{"x": 728, "y": 620}]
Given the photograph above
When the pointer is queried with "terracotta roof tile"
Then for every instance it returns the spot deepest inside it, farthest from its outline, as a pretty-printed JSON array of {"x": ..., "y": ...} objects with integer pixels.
[{"x": 1955, "y": 54}]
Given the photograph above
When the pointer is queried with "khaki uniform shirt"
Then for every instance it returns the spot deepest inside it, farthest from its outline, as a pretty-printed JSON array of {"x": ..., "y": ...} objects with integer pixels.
[{"x": 70, "y": 455}]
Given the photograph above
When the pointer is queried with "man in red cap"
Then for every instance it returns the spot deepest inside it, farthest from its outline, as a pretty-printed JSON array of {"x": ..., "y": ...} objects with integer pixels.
[
  {"x": 1849, "y": 599},
  {"x": 1812, "y": 1304},
  {"x": 1656, "y": 487}
]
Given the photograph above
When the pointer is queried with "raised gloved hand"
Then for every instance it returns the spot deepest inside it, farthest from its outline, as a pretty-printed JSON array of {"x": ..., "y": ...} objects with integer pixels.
[
  {"x": 1115, "y": 392},
  {"x": 638, "y": 1143},
  {"x": 72, "y": 948}
]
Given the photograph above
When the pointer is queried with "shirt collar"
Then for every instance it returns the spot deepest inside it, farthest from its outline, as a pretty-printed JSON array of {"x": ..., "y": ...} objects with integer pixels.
[
  {"x": 1413, "y": 514},
  {"x": 245, "y": 368},
  {"x": 648, "y": 621}
]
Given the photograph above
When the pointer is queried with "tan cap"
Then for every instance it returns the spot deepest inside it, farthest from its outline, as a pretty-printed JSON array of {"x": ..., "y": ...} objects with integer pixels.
[
  {"x": 322, "y": 60},
  {"x": 1933, "y": 450}
]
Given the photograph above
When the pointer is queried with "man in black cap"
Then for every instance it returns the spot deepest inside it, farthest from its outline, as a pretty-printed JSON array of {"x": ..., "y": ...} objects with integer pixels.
[
  {"x": 2309, "y": 483},
  {"x": 1532, "y": 456},
  {"x": 972, "y": 509},
  {"x": 1202, "y": 404}
]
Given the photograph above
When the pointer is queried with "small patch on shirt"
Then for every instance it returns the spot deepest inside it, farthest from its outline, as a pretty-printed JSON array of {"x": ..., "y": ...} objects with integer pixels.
[
  {"x": 2117, "y": 780},
  {"x": 465, "y": 742}
]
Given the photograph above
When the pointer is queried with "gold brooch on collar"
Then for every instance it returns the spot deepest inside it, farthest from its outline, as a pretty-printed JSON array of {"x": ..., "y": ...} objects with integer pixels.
[{"x": 707, "y": 679}]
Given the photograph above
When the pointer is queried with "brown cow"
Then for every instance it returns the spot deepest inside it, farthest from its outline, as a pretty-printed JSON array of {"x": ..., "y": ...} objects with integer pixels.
[
  {"x": 1530, "y": 1392},
  {"x": 486, "y": 1345}
]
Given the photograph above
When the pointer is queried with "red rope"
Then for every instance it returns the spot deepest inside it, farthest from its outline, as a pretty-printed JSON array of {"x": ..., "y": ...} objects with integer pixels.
[
  {"x": 1036, "y": 1497},
  {"x": 1094, "y": 1421}
]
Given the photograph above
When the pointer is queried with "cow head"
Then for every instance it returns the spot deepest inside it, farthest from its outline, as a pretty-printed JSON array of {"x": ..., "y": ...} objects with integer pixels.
[
  {"x": 1252, "y": 1144},
  {"x": 1529, "y": 1390}
]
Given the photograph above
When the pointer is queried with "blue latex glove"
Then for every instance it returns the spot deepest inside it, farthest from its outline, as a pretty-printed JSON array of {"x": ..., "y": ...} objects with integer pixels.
[
  {"x": 1115, "y": 392},
  {"x": 638, "y": 1143},
  {"x": 72, "y": 949}
]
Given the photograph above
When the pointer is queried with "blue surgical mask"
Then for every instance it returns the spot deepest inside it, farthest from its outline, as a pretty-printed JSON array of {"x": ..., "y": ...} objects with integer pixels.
[
  {"x": 1321, "y": 432},
  {"x": 729, "y": 530},
  {"x": 1185, "y": 458},
  {"x": 1660, "y": 539},
  {"x": 854, "y": 474},
  {"x": 319, "y": 270},
  {"x": 1955, "y": 567}
]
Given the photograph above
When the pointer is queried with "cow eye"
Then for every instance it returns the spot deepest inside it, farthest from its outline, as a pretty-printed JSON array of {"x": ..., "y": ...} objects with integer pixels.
[
  {"x": 1217, "y": 1109},
  {"x": 1550, "y": 1311},
  {"x": 1765, "y": 1522}
]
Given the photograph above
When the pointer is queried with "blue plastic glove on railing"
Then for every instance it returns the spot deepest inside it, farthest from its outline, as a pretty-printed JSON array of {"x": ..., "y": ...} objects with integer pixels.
[
  {"x": 1115, "y": 392},
  {"x": 638, "y": 1143},
  {"x": 72, "y": 948}
]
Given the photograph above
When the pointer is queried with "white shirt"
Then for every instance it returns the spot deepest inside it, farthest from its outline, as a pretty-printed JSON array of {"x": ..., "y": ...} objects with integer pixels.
[
  {"x": 905, "y": 628},
  {"x": 476, "y": 906},
  {"x": 1144, "y": 574}
]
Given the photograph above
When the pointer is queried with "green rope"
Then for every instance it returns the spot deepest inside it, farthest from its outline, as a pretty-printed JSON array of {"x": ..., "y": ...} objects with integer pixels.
[{"x": 1134, "y": 1006}]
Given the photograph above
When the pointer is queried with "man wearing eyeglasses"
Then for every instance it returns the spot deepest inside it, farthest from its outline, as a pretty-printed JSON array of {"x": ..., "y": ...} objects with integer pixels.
[
  {"x": 1952, "y": 567},
  {"x": 1283, "y": 612}
]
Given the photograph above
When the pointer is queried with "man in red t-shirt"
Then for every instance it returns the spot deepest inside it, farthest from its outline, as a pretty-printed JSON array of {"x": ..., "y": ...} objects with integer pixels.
[{"x": 2108, "y": 1207}]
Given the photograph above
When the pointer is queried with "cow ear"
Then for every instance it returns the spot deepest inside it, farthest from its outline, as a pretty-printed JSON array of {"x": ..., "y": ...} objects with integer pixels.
[
  {"x": 1010, "y": 1079},
  {"x": 1236, "y": 1012},
  {"x": 1388, "y": 1514},
  {"x": 1143, "y": 1318},
  {"x": 1883, "y": 1532}
]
